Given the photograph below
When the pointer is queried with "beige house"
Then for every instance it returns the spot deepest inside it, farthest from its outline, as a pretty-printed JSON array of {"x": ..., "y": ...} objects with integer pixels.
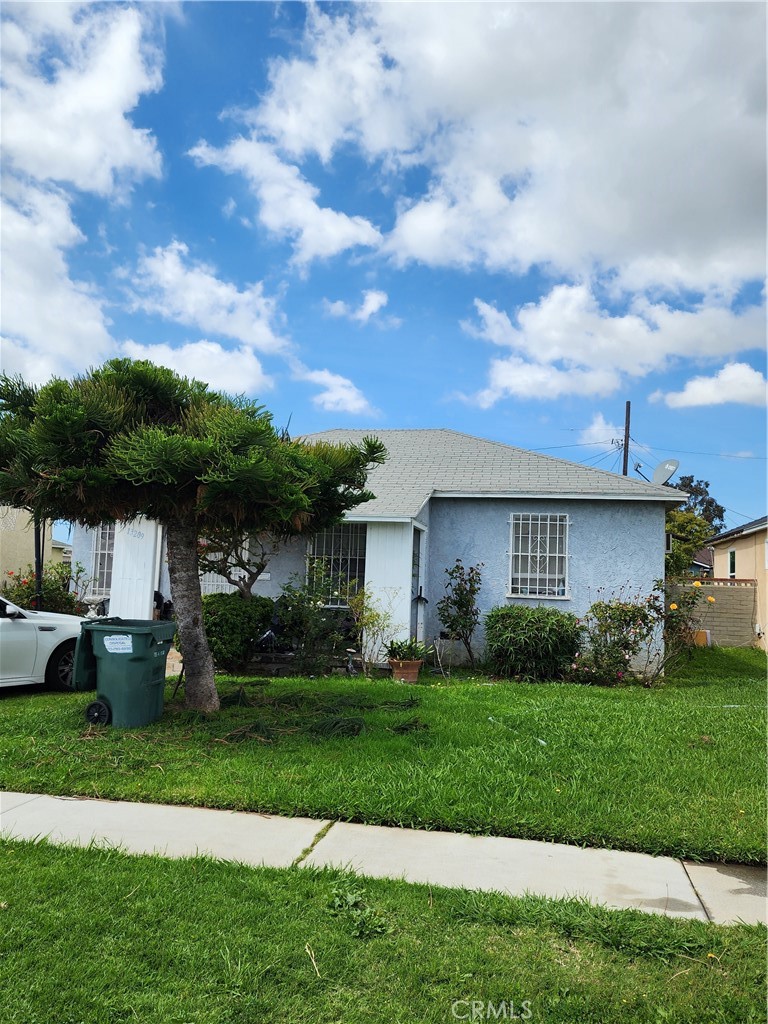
[
  {"x": 742, "y": 554},
  {"x": 17, "y": 542}
]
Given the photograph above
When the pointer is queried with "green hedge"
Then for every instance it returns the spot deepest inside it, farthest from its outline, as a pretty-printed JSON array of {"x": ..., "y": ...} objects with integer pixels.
[
  {"x": 233, "y": 625},
  {"x": 532, "y": 643}
]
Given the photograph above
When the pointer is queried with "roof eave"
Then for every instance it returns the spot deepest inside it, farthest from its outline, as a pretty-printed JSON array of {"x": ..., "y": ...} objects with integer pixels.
[{"x": 560, "y": 495}]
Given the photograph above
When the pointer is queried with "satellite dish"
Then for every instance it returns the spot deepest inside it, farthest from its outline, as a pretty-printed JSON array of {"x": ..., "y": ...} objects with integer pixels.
[{"x": 665, "y": 470}]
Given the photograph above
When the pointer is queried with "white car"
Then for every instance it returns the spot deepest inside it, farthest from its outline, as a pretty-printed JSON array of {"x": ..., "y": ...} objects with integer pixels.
[{"x": 37, "y": 647}]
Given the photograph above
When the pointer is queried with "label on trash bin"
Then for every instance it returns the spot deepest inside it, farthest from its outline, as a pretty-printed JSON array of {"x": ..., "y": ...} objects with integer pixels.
[{"x": 119, "y": 644}]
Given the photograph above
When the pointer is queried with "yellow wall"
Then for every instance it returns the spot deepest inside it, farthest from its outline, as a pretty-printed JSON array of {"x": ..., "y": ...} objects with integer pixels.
[
  {"x": 17, "y": 541},
  {"x": 751, "y": 564}
]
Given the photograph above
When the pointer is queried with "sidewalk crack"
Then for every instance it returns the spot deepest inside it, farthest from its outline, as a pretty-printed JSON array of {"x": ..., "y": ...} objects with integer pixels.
[
  {"x": 698, "y": 894},
  {"x": 320, "y": 835}
]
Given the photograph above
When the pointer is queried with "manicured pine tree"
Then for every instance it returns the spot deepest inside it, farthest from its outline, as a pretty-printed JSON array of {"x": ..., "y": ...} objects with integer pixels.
[{"x": 132, "y": 439}]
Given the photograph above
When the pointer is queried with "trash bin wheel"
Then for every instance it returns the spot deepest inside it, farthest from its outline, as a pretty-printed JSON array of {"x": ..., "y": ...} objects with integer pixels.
[{"x": 98, "y": 712}]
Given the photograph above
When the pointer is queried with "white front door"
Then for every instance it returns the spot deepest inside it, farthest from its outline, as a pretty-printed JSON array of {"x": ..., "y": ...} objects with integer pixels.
[{"x": 135, "y": 569}]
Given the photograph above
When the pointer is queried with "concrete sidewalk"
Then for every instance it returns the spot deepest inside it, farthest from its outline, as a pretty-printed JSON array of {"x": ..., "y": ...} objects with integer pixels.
[{"x": 721, "y": 893}]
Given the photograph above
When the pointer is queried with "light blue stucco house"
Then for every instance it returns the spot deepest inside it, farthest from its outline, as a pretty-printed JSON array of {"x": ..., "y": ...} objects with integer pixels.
[{"x": 547, "y": 531}]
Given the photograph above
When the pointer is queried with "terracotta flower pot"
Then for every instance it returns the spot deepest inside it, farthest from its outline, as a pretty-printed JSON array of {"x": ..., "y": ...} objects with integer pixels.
[{"x": 405, "y": 671}]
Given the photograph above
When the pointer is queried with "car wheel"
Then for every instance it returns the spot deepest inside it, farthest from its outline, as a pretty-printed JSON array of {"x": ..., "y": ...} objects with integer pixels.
[{"x": 61, "y": 665}]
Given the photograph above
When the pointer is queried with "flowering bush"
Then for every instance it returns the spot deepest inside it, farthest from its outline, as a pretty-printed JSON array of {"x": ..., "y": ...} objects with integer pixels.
[
  {"x": 457, "y": 609},
  {"x": 63, "y": 588},
  {"x": 632, "y": 636}
]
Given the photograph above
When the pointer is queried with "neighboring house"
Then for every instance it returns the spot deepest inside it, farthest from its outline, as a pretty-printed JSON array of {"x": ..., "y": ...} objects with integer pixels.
[
  {"x": 702, "y": 563},
  {"x": 547, "y": 532},
  {"x": 17, "y": 542},
  {"x": 742, "y": 554}
]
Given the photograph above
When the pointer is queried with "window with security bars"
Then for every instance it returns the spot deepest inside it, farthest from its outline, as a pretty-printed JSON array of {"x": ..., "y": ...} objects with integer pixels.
[
  {"x": 101, "y": 562},
  {"x": 539, "y": 555},
  {"x": 339, "y": 554}
]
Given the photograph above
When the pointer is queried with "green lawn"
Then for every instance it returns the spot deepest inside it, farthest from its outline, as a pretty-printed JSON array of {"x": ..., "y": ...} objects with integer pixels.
[
  {"x": 678, "y": 769},
  {"x": 99, "y": 937}
]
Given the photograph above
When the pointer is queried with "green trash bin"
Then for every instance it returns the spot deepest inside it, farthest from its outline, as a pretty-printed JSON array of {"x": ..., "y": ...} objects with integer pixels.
[{"x": 124, "y": 661}]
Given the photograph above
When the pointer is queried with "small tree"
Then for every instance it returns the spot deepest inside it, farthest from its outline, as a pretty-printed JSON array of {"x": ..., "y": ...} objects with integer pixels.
[
  {"x": 689, "y": 533},
  {"x": 374, "y": 626},
  {"x": 701, "y": 502},
  {"x": 240, "y": 559},
  {"x": 458, "y": 610},
  {"x": 132, "y": 439}
]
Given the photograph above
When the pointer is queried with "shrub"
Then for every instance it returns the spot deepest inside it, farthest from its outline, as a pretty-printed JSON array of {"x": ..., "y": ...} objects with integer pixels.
[
  {"x": 373, "y": 627},
  {"x": 63, "y": 588},
  {"x": 631, "y": 635},
  {"x": 457, "y": 609},
  {"x": 533, "y": 643},
  {"x": 318, "y": 632},
  {"x": 233, "y": 625}
]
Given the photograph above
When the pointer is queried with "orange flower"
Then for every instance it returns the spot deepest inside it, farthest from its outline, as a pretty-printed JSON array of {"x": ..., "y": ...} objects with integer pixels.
[{"x": 673, "y": 607}]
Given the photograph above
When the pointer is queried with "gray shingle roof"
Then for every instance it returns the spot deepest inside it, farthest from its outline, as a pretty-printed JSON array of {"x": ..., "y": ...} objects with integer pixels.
[{"x": 423, "y": 463}]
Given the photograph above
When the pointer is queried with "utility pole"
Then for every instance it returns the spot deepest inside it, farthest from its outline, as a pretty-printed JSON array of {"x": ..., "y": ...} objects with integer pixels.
[
  {"x": 626, "y": 442},
  {"x": 39, "y": 535}
]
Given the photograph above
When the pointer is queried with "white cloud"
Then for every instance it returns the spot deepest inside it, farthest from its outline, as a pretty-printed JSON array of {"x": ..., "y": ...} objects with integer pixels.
[
  {"x": 52, "y": 325},
  {"x": 71, "y": 75},
  {"x": 627, "y": 138},
  {"x": 601, "y": 432},
  {"x": 735, "y": 382},
  {"x": 372, "y": 302},
  {"x": 236, "y": 371},
  {"x": 288, "y": 204},
  {"x": 339, "y": 394},
  {"x": 170, "y": 284},
  {"x": 516, "y": 378},
  {"x": 567, "y": 344}
]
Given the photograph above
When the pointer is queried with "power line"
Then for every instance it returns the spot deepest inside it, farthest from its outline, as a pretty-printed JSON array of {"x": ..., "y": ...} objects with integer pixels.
[
  {"x": 714, "y": 455},
  {"x": 648, "y": 447},
  {"x": 581, "y": 444}
]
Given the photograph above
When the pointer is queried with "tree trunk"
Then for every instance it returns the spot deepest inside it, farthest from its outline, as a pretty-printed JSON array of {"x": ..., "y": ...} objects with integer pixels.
[{"x": 199, "y": 686}]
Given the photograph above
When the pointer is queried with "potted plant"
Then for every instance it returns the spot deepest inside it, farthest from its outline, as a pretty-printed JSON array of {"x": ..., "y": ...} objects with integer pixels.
[{"x": 406, "y": 658}]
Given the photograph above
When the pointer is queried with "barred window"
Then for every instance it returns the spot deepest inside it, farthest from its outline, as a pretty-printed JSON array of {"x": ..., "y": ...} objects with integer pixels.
[
  {"x": 101, "y": 563},
  {"x": 538, "y": 555},
  {"x": 339, "y": 553}
]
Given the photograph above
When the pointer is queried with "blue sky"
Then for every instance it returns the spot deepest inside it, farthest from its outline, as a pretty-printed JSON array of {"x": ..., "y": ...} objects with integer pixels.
[{"x": 506, "y": 219}]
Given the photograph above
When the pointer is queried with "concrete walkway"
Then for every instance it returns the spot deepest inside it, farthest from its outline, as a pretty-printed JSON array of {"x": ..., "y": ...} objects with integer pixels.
[{"x": 721, "y": 893}]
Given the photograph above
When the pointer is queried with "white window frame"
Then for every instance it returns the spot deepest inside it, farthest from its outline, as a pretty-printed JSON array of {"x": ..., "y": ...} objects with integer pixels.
[
  {"x": 536, "y": 571},
  {"x": 732, "y": 563},
  {"x": 343, "y": 549},
  {"x": 102, "y": 558}
]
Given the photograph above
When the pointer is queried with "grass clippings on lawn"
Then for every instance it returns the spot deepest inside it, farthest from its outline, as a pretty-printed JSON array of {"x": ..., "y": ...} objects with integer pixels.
[
  {"x": 678, "y": 769},
  {"x": 98, "y": 937}
]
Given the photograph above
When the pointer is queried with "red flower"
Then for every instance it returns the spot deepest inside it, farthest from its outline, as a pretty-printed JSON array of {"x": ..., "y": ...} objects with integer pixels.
[
  {"x": 10, "y": 572},
  {"x": 25, "y": 582}
]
